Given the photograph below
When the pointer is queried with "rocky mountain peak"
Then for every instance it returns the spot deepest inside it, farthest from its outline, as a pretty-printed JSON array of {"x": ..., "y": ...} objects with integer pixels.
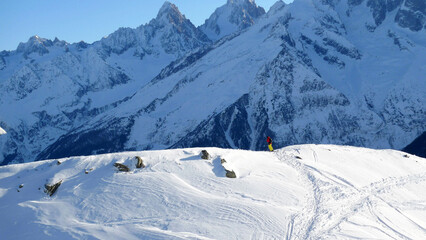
[
  {"x": 58, "y": 42},
  {"x": 170, "y": 13},
  {"x": 170, "y": 31},
  {"x": 35, "y": 44},
  {"x": 276, "y": 7},
  {"x": 235, "y": 15},
  {"x": 240, "y": 2}
]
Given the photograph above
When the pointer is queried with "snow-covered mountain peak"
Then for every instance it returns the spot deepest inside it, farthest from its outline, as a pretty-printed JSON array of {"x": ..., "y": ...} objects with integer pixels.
[
  {"x": 58, "y": 42},
  {"x": 170, "y": 13},
  {"x": 173, "y": 31},
  {"x": 38, "y": 45},
  {"x": 168, "y": 7},
  {"x": 276, "y": 7},
  {"x": 240, "y": 2},
  {"x": 169, "y": 32},
  {"x": 35, "y": 44},
  {"x": 235, "y": 15}
]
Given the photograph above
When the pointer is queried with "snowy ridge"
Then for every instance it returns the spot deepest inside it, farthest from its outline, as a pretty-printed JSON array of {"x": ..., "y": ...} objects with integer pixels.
[
  {"x": 2, "y": 131},
  {"x": 299, "y": 192}
]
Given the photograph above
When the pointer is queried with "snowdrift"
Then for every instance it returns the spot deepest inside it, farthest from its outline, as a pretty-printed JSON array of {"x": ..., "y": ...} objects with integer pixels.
[{"x": 299, "y": 192}]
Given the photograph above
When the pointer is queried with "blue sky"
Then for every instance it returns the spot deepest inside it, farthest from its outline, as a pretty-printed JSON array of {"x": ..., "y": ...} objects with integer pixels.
[{"x": 89, "y": 20}]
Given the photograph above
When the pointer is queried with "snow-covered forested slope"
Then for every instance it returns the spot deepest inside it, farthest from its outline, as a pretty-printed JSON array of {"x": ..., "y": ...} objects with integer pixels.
[
  {"x": 299, "y": 192},
  {"x": 341, "y": 72}
]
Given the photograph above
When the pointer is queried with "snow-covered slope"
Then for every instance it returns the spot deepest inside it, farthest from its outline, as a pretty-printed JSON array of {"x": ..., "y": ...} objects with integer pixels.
[
  {"x": 299, "y": 192},
  {"x": 234, "y": 16},
  {"x": 2, "y": 131}
]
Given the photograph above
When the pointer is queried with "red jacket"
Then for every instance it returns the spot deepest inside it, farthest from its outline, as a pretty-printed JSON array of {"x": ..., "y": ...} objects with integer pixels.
[{"x": 269, "y": 140}]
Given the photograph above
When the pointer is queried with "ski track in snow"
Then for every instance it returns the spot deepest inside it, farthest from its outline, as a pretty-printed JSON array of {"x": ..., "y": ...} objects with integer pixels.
[
  {"x": 317, "y": 219},
  {"x": 299, "y": 192}
]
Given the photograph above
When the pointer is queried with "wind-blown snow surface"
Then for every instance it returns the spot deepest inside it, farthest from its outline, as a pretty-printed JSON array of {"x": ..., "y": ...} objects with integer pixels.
[{"x": 299, "y": 192}]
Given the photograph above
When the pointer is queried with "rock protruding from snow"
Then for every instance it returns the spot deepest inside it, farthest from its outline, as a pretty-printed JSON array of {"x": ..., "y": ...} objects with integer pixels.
[
  {"x": 229, "y": 173},
  {"x": 121, "y": 167},
  {"x": 205, "y": 155},
  {"x": 235, "y": 15},
  {"x": 51, "y": 189},
  {"x": 139, "y": 163}
]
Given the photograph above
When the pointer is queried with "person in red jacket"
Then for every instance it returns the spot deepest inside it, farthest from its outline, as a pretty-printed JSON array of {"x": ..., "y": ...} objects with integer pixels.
[{"x": 269, "y": 141}]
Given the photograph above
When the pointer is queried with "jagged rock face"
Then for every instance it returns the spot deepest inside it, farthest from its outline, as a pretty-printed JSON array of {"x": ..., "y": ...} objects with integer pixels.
[
  {"x": 234, "y": 16},
  {"x": 412, "y": 15},
  {"x": 409, "y": 13},
  {"x": 250, "y": 12}
]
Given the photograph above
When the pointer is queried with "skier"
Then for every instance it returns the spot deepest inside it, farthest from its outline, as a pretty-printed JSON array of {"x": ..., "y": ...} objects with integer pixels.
[{"x": 269, "y": 141}]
